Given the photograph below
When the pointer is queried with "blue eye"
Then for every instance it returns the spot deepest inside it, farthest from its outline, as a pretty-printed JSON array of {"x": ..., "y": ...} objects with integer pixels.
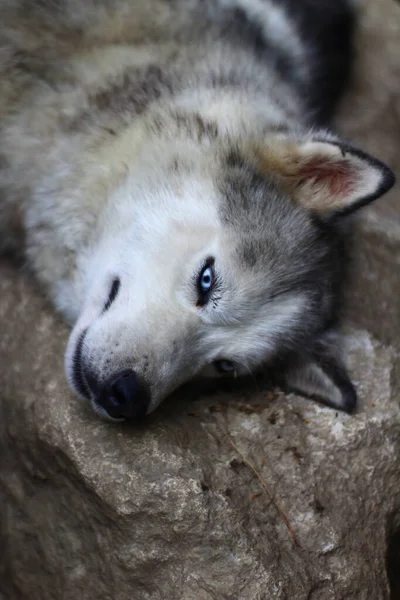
[
  {"x": 205, "y": 282},
  {"x": 206, "y": 279}
]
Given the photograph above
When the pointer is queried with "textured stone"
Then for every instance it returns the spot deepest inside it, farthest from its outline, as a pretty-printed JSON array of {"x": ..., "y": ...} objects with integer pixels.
[
  {"x": 370, "y": 113},
  {"x": 173, "y": 509}
]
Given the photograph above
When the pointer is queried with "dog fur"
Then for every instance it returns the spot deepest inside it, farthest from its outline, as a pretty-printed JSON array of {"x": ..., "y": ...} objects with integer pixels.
[{"x": 143, "y": 143}]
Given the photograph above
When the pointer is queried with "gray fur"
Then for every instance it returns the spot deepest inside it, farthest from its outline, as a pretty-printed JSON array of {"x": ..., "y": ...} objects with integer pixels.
[{"x": 140, "y": 139}]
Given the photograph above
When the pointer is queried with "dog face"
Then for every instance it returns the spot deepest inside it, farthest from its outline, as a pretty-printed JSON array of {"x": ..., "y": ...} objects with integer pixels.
[{"x": 220, "y": 260}]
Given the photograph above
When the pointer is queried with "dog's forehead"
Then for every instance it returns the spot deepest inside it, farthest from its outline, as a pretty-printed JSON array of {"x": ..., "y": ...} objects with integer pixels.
[
  {"x": 267, "y": 227},
  {"x": 222, "y": 203}
]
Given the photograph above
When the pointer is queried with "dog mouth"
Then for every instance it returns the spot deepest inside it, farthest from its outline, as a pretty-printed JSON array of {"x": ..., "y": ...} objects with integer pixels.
[
  {"x": 103, "y": 413},
  {"x": 78, "y": 376},
  {"x": 81, "y": 384}
]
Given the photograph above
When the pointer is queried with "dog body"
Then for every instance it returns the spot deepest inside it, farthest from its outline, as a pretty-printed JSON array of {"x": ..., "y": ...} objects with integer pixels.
[{"x": 167, "y": 169}]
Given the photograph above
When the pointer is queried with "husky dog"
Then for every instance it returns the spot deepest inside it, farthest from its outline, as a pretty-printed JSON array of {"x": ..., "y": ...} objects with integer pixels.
[{"x": 167, "y": 168}]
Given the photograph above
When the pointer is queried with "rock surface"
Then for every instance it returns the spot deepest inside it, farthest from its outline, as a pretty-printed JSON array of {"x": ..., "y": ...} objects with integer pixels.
[
  {"x": 370, "y": 113},
  {"x": 172, "y": 509},
  {"x": 181, "y": 507}
]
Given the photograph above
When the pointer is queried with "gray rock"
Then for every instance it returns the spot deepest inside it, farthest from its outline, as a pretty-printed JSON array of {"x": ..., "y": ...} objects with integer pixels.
[
  {"x": 181, "y": 507},
  {"x": 172, "y": 509}
]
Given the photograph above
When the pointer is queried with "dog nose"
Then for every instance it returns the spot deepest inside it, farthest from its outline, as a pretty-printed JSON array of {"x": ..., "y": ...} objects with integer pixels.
[{"x": 124, "y": 396}]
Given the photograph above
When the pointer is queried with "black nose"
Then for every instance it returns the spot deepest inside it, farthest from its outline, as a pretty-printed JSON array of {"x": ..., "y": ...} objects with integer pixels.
[{"x": 124, "y": 396}]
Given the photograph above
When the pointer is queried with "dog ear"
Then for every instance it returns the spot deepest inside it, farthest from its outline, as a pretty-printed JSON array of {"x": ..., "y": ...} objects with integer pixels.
[
  {"x": 321, "y": 375},
  {"x": 326, "y": 176}
]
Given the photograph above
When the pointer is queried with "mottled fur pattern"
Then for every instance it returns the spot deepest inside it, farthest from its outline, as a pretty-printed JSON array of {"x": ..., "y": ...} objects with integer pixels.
[{"x": 143, "y": 143}]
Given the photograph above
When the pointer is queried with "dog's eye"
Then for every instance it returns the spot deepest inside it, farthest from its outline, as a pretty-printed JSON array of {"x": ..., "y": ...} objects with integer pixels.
[
  {"x": 224, "y": 366},
  {"x": 205, "y": 282},
  {"x": 113, "y": 294}
]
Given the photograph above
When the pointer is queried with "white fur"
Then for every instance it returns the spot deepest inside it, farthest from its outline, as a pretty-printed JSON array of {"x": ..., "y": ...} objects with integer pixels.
[{"x": 116, "y": 145}]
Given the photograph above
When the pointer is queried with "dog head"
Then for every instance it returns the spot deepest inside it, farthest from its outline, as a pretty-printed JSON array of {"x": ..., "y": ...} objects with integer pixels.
[{"x": 222, "y": 257}]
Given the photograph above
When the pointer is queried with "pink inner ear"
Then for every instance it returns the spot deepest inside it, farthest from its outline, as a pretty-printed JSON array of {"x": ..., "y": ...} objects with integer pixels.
[{"x": 337, "y": 175}]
